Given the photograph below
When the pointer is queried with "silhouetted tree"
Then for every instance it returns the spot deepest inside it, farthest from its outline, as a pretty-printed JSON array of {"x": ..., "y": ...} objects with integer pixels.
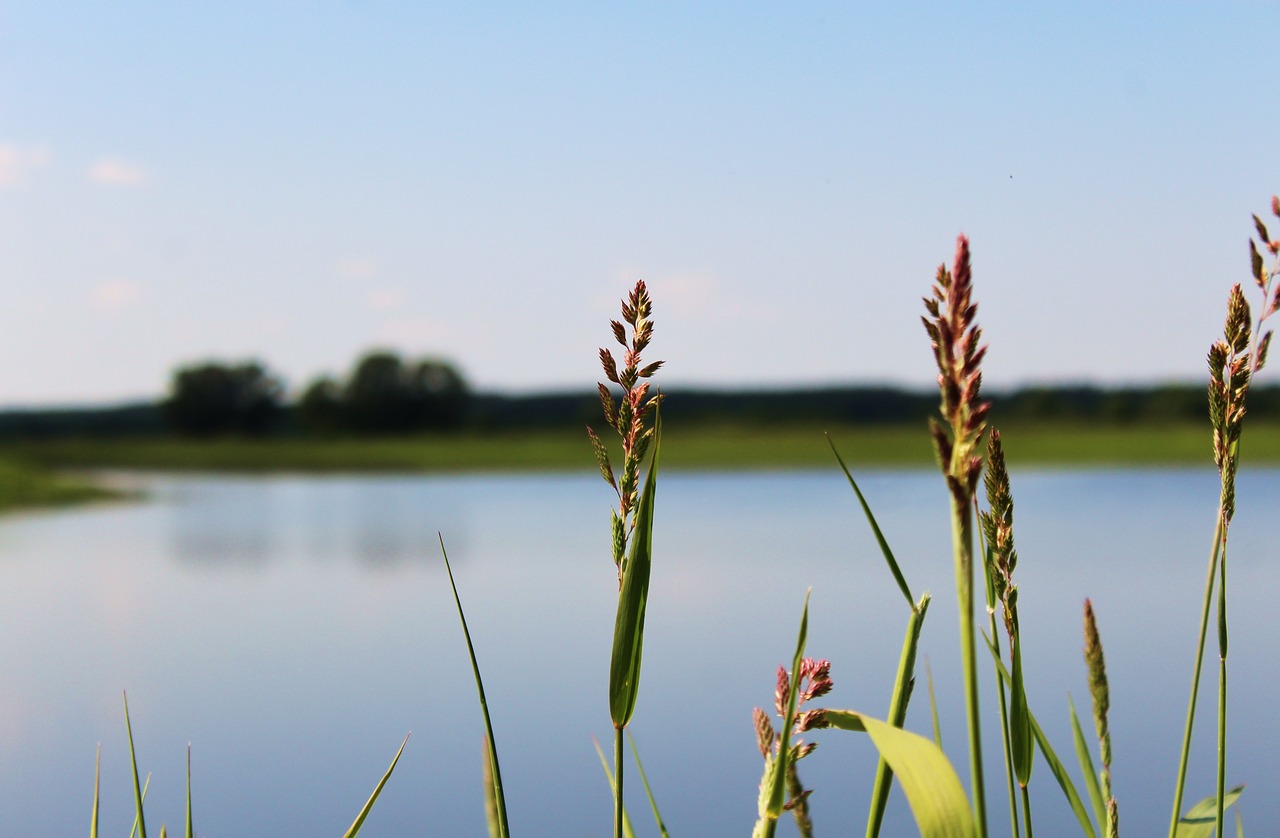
[
  {"x": 215, "y": 398},
  {"x": 384, "y": 395},
  {"x": 320, "y": 409}
]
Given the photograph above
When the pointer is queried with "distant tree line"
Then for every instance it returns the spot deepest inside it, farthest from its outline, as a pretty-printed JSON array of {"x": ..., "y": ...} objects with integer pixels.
[{"x": 385, "y": 394}]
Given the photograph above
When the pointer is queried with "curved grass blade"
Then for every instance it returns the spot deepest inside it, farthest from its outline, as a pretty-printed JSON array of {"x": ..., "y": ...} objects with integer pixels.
[
  {"x": 778, "y": 787},
  {"x": 1056, "y": 768},
  {"x": 490, "y": 799},
  {"x": 141, "y": 822},
  {"x": 364, "y": 812},
  {"x": 628, "y": 627},
  {"x": 657, "y": 816},
  {"x": 1021, "y": 740},
  {"x": 1090, "y": 773},
  {"x": 875, "y": 529},
  {"x": 627, "y": 830},
  {"x": 499, "y": 798},
  {"x": 938, "y": 800},
  {"x": 1200, "y": 819}
]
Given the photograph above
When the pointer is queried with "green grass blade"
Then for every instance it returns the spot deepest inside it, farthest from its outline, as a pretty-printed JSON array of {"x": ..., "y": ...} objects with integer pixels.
[
  {"x": 146, "y": 784},
  {"x": 938, "y": 800},
  {"x": 490, "y": 797},
  {"x": 875, "y": 529},
  {"x": 141, "y": 825},
  {"x": 1021, "y": 740},
  {"x": 1085, "y": 757},
  {"x": 1056, "y": 768},
  {"x": 1199, "y": 821},
  {"x": 628, "y": 627},
  {"x": 933, "y": 704},
  {"x": 97, "y": 776},
  {"x": 644, "y": 779},
  {"x": 627, "y": 830},
  {"x": 897, "y": 712},
  {"x": 368, "y": 805},
  {"x": 190, "y": 826},
  {"x": 496, "y": 784},
  {"x": 778, "y": 790}
]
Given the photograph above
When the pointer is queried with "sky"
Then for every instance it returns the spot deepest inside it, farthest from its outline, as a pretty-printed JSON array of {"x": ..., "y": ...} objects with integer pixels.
[{"x": 299, "y": 183}]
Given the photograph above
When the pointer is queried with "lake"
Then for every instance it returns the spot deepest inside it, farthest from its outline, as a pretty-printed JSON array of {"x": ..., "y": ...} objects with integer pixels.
[{"x": 294, "y": 629}]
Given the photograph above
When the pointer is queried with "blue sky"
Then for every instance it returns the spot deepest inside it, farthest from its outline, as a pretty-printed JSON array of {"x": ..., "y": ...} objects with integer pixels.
[{"x": 299, "y": 182}]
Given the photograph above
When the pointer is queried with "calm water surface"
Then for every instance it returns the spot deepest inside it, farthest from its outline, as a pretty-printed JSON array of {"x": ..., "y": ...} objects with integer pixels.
[{"x": 293, "y": 630}]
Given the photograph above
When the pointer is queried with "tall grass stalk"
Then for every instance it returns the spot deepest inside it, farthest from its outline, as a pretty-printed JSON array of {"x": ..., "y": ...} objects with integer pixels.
[
  {"x": 955, "y": 338},
  {"x": 630, "y": 416},
  {"x": 1233, "y": 362}
]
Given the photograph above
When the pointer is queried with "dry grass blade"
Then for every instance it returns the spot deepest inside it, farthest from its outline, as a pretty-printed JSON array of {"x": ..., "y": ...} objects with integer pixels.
[
  {"x": 364, "y": 812},
  {"x": 496, "y": 784}
]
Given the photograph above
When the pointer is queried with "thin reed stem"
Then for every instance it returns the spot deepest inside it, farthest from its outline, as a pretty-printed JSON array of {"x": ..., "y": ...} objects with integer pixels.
[
  {"x": 962, "y": 541},
  {"x": 617, "y": 782},
  {"x": 1026, "y": 808},
  {"x": 1195, "y": 677},
  {"x": 1222, "y": 686},
  {"x": 1004, "y": 728}
]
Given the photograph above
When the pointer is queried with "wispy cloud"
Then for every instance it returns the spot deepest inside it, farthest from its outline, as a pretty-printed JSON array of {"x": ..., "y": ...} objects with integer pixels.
[
  {"x": 357, "y": 269},
  {"x": 384, "y": 299},
  {"x": 117, "y": 173},
  {"x": 15, "y": 161},
  {"x": 115, "y": 295}
]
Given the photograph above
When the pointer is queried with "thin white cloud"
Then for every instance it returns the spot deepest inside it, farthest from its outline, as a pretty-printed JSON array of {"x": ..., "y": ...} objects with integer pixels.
[
  {"x": 117, "y": 173},
  {"x": 358, "y": 269},
  {"x": 115, "y": 295},
  {"x": 15, "y": 161},
  {"x": 384, "y": 299}
]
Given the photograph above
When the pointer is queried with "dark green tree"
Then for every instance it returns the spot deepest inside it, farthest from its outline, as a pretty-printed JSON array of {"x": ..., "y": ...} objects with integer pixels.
[
  {"x": 384, "y": 395},
  {"x": 215, "y": 398}
]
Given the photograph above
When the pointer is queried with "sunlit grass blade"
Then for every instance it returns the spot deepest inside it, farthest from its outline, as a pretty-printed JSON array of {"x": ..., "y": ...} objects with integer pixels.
[
  {"x": 490, "y": 799},
  {"x": 628, "y": 628},
  {"x": 1056, "y": 768},
  {"x": 937, "y": 798},
  {"x": 778, "y": 788},
  {"x": 627, "y": 830},
  {"x": 141, "y": 825},
  {"x": 1021, "y": 741},
  {"x": 1085, "y": 757},
  {"x": 933, "y": 705},
  {"x": 1200, "y": 819},
  {"x": 644, "y": 779},
  {"x": 875, "y": 529},
  {"x": 368, "y": 805},
  {"x": 902, "y": 688},
  {"x": 498, "y": 797},
  {"x": 190, "y": 825},
  {"x": 97, "y": 777},
  {"x": 146, "y": 784}
]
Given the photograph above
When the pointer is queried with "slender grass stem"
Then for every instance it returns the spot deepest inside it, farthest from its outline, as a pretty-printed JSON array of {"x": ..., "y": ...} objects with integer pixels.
[
  {"x": 1026, "y": 808},
  {"x": 1222, "y": 685},
  {"x": 1004, "y": 728},
  {"x": 962, "y": 539},
  {"x": 897, "y": 712},
  {"x": 1218, "y": 534},
  {"x": 617, "y": 782}
]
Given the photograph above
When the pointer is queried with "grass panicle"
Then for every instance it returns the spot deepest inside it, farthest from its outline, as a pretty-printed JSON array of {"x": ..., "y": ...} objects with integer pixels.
[
  {"x": 956, "y": 338},
  {"x": 1234, "y": 360},
  {"x": 1101, "y": 695}
]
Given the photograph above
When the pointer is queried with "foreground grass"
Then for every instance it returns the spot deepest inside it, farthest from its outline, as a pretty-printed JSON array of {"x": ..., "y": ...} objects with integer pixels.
[{"x": 722, "y": 447}]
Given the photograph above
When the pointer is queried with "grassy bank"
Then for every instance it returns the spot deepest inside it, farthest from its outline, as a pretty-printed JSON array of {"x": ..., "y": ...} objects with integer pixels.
[
  {"x": 724, "y": 447},
  {"x": 28, "y": 487}
]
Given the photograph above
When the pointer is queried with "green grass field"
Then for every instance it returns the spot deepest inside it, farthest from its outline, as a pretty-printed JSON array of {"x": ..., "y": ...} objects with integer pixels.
[
  {"x": 683, "y": 448},
  {"x": 27, "y": 487}
]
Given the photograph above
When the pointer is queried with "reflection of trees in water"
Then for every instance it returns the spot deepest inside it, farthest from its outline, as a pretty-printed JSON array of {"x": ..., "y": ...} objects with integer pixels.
[
  {"x": 376, "y": 522},
  {"x": 233, "y": 524}
]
